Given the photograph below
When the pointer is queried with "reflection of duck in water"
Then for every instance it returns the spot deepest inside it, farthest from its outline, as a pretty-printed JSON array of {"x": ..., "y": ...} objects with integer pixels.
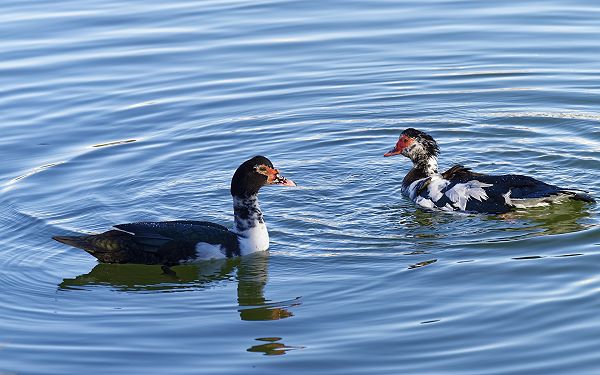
[
  {"x": 252, "y": 278},
  {"x": 251, "y": 275},
  {"x": 428, "y": 228},
  {"x": 271, "y": 346},
  {"x": 554, "y": 219},
  {"x": 176, "y": 242},
  {"x": 460, "y": 189}
]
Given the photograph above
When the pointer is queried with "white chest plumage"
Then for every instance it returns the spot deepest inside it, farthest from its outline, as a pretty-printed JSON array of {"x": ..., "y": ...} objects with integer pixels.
[
  {"x": 250, "y": 225},
  {"x": 254, "y": 239}
]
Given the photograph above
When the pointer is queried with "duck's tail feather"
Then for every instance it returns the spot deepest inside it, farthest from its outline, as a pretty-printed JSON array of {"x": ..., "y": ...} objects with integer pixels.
[
  {"x": 79, "y": 242},
  {"x": 108, "y": 247}
]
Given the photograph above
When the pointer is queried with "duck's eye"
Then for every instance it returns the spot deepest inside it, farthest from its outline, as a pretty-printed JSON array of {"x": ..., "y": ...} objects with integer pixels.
[{"x": 261, "y": 169}]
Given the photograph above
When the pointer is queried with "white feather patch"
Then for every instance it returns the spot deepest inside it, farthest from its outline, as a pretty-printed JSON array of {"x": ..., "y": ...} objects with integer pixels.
[
  {"x": 529, "y": 203},
  {"x": 254, "y": 239},
  {"x": 507, "y": 199},
  {"x": 539, "y": 202},
  {"x": 436, "y": 184},
  {"x": 447, "y": 207},
  {"x": 209, "y": 251},
  {"x": 424, "y": 202},
  {"x": 411, "y": 191},
  {"x": 461, "y": 193}
]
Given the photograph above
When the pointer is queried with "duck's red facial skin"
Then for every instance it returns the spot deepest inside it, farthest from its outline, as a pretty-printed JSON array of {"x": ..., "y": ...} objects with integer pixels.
[
  {"x": 402, "y": 143},
  {"x": 273, "y": 176}
]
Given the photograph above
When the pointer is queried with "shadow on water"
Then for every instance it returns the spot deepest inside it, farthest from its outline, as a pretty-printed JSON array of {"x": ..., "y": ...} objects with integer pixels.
[{"x": 250, "y": 272}]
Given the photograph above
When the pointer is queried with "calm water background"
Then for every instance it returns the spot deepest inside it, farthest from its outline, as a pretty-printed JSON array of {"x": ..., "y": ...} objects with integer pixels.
[{"x": 118, "y": 111}]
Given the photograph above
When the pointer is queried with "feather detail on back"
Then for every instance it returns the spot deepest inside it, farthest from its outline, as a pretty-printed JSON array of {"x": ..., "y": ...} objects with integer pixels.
[{"x": 458, "y": 171}]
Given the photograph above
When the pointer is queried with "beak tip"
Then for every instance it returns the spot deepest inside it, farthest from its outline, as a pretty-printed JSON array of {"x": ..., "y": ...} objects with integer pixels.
[{"x": 391, "y": 152}]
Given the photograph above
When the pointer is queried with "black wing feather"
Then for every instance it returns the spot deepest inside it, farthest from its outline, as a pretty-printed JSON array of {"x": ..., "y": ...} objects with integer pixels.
[
  {"x": 460, "y": 172},
  {"x": 180, "y": 236},
  {"x": 197, "y": 222}
]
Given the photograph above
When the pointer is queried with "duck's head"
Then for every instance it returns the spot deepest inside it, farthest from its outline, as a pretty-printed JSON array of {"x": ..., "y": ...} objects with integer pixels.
[
  {"x": 255, "y": 173},
  {"x": 419, "y": 147},
  {"x": 415, "y": 145}
]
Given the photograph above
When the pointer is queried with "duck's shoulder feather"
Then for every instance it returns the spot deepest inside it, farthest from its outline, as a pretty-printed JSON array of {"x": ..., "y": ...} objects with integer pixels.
[{"x": 460, "y": 172}]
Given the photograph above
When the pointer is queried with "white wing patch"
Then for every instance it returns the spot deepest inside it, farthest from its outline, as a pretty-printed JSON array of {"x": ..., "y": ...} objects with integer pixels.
[
  {"x": 424, "y": 202},
  {"x": 539, "y": 202},
  {"x": 209, "y": 251},
  {"x": 528, "y": 203},
  {"x": 447, "y": 207},
  {"x": 461, "y": 193},
  {"x": 411, "y": 191},
  {"x": 507, "y": 199},
  {"x": 436, "y": 184}
]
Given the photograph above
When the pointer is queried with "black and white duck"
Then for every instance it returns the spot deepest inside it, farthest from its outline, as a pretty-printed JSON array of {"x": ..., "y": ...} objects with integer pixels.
[
  {"x": 182, "y": 241},
  {"x": 460, "y": 189}
]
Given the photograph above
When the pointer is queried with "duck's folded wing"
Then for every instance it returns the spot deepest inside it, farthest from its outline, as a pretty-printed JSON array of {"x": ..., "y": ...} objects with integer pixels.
[
  {"x": 520, "y": 187},
  {"x": 198, "y": 223},
  {"x": 180, "y": 236}
]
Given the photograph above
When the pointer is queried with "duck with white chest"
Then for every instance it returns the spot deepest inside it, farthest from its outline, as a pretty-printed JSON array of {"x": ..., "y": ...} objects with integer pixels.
[{"x": 183, "y": 241}]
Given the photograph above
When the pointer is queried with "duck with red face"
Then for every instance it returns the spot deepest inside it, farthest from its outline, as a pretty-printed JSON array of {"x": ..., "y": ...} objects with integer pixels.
[
  {"x": 183, "y": 241},
  {"x": 460, "y": 189}
]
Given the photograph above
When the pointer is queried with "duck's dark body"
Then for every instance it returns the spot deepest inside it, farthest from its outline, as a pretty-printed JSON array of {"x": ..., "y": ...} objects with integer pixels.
[{"x": 168, "y": 242}]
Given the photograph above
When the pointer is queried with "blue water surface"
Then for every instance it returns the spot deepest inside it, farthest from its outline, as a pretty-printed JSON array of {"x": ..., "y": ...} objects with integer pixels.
[{"x": 121, "y": 111}]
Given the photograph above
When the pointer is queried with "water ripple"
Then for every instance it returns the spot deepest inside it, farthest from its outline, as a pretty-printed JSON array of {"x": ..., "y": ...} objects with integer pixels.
[{"x": 120, "y": 111}]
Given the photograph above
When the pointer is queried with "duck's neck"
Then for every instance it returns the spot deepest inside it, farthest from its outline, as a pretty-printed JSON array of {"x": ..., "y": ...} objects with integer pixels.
[
  {"x": 249, "y": 224},
  {"x": 425, "y": 166}
]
